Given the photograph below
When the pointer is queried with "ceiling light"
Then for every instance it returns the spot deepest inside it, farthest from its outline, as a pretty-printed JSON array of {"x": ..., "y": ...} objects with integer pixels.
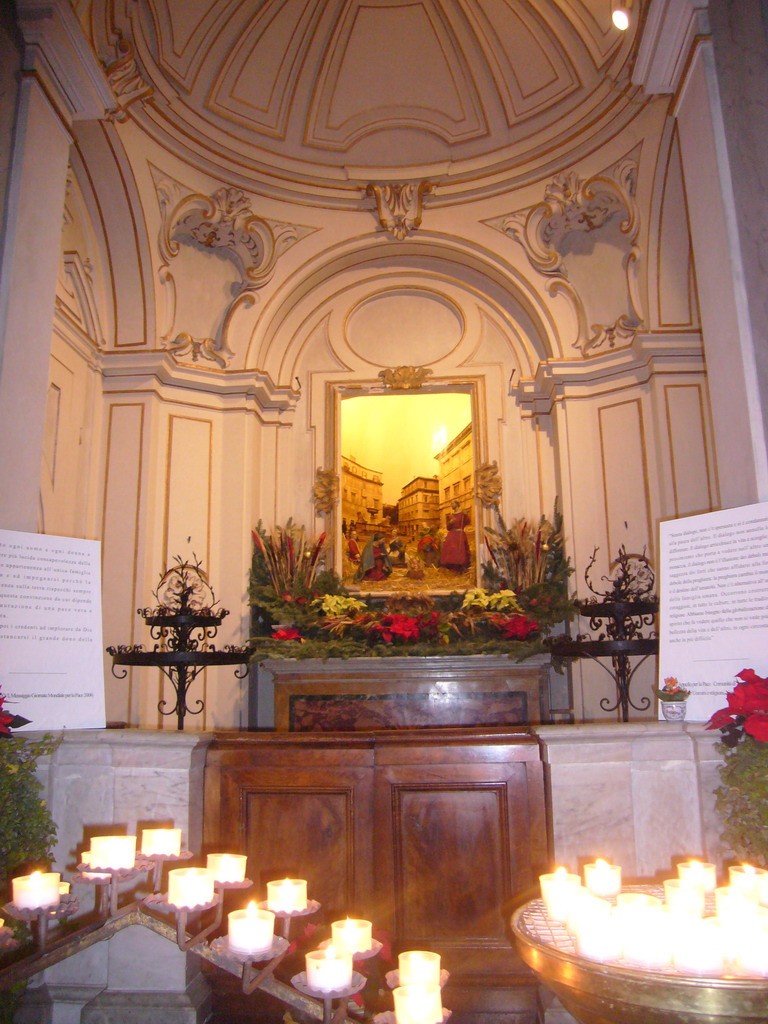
[{"x": 620, "y": 13}]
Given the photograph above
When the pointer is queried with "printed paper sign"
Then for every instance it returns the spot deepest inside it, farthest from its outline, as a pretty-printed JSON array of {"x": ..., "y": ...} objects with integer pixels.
[
  {"x": 714, "y": 602},
  {"x": 51, "y": 650}
]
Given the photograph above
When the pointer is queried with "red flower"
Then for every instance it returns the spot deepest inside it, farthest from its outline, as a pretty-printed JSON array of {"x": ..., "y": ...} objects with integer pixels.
[
  {"x": 5, "y": 721},
  {"x": 747, "y": 709},
  {"x": 287, "y": 634},
  {"x": 515, "y": 627}
]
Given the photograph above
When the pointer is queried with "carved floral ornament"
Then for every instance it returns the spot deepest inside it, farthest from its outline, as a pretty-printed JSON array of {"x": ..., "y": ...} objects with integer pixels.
[
  {"x": 488, "y": 484},
  {"x": 572, "y": 206},
  {"x": 223, "y": 224},
  {"x": 405, "y": 378},
  {"x": 325, "y": 493},
  {"x": 400, "y": 206}
]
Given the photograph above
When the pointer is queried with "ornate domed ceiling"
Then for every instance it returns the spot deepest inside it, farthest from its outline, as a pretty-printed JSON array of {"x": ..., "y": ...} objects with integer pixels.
[{"x": 326, "y": 95}]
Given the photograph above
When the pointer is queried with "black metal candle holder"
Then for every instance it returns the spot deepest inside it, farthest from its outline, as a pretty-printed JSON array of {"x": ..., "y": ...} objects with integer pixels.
[
  {"x": 624, "y": 618},
  {"x": 183, "y": 625}
]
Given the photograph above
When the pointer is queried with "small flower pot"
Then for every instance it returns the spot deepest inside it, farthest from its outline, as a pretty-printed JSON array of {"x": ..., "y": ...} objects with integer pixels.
[{"x": 673, "y": 710}]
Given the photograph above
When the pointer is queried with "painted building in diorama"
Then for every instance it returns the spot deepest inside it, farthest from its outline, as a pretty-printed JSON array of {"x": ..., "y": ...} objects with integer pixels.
[
  {"x": 361, "y": 492},
  {"x": 418, "y": 509},
  {"x": 456, "y": 473},
  {"x": 218, "y": 220}
]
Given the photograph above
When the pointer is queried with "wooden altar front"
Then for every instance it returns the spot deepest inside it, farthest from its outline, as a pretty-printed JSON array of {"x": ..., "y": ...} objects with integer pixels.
[
  {"x": 434, "y": 835},
  {"x": 363, "y": 694}
]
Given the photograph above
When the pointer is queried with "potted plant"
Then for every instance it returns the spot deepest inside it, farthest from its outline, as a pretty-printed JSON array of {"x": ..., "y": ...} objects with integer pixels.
[
  {"x": 741, "y": 799},
  {"x": 673, "y": 697}
]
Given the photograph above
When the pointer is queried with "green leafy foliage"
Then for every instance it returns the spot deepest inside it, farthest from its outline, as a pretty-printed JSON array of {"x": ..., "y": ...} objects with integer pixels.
[
  {"x": 742, "y": 799},
  {"x": 27, "y": 831}
]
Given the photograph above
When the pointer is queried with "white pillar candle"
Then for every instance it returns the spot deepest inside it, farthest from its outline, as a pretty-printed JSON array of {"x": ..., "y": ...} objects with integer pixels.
[
  {"x": 418, "y": 967},
  {"x": 352, "y": 934},
  {"x": 698, "y": 871},
  {"x": 64, "y": 888},
  {"x": 649, "y": 941},
  {"x": 118, "y": 853},
  {"x": 745, "y": 878},
  {"x": 582, "y": 902},
  {"x": 251, "y": 930},
  {"x": 418, "y": 1004},
  {"x": 161, "y": 842},
  {"x": 698, "y": 946},
  {"x": 733, "y": 906},
  {"x": 557, "y": 891},
  {"x": 597, "y": 934},
  {"x": 749, "y": 952},
  {"x": 287, "y": 895},
  {"x": 685, "y": 895},
  {"x": 628, "y": 906},
  {"x": 190, "y": 887},
  {"x": 329, "y": 969},
  {"x": 762, "y": 890},
  {"x": 85, "y": 859},
  {"x": 38, "y": 890},
  {"x": 227, "y": 867},
  {"x": 602, "y": 879}
]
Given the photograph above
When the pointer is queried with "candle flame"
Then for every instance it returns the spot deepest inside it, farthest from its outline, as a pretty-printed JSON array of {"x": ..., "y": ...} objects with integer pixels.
[
  {"x": 251, "y": 909},
  {"x": 601, "y": 864},
  {"x": 748, "y": 869},
  {"x": 37, "y": 875},
  {"x": 561, "y": 872},
  {"x": 330, "y": 953}
]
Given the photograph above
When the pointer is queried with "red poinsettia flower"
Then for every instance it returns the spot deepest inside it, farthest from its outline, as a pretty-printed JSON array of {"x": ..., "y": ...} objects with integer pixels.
[
  {"x": 515, "y": 627},
  {"x": 747, "y": 708},
  {"x": 287, "y": 634}
]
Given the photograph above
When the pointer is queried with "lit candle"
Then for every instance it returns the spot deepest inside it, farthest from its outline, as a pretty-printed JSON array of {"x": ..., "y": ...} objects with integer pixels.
[
  {"x": 762, "y": 890},
  {"x": 38, "y": 890},
  {"x": 557, "y": 890},
  {"x": 352, "y": 935},
  {"x": 597, "y": 935},
  {"x": 733, "y": 906},
  {"x": 418, "y": 1004},
  {"x": 749, "y": 950},
  {"x": 602, "y": 879},
  {"x": 697, "y": 871},
  {"x": 745, "y": 878},
  {"x": 190, "y": 887},
  {"x": 227, "y": 867},
  {"x": 698, "y": 946},
  {"x": 251, "y": 930},
  {"x": 118, "y": 853},
  {"x": 64, "y": 888},
  {"x": 329, "y": 969},
  {"x": 581, "y": 902},
  {"x": 85, "y": 859},
  {"x": 418, "y": 967},
  {"x": 161, "y": 842},
  {"x": 287, "y": 895},
  {"x": 649, "y": 941},
  {"x": 630, "y": 905},
  {"x": 685, "y": 895}
]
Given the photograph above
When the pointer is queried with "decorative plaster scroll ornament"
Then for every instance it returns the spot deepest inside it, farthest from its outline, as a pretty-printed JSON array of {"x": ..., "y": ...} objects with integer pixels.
[
  {"x": 325, "y": 493},
  {"x": 185, "y": 345},
  {"x": 406, "y": 378},
  {"x": 400, "y": 207},
  {"x": 488, "y": 484},
  {"x": 225, "y": 226},
  {"x": 126, "y": 80},
  {"x": 604, "y": 209}
]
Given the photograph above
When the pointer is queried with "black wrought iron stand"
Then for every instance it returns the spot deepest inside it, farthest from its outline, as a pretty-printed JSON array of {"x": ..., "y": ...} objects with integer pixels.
[
  {"x": 184, "y": 625},
  {"x": 624, "y": 619}
]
